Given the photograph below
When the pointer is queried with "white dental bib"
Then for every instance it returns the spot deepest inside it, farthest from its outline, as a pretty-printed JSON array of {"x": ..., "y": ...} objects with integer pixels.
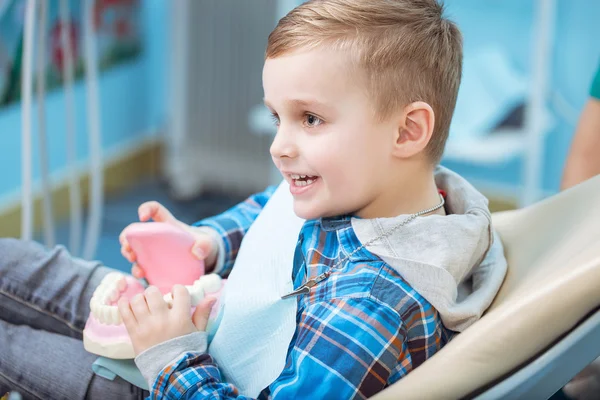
[{"x": 251, "y": 343}]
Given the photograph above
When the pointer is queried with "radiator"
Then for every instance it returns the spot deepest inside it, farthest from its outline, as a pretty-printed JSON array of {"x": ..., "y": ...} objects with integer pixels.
[{"x": 217, "y": 53}]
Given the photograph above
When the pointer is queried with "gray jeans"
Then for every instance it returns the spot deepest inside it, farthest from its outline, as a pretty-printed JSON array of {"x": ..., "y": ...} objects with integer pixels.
[{"x": 44, "y": 304}]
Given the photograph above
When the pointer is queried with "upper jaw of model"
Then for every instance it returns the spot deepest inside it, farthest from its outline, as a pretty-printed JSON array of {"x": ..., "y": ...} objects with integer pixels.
[{"x": 114, "y": 285}]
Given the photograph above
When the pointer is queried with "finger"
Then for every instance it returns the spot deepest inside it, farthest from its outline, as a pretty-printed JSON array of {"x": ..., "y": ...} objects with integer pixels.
[
  {"x": 154, "y": 298},
  {"x": 139, "y": 307},
  {"x": 181, "y": 300},
  {"x": 202, "y": 313},
  {"x": 155, "y": 211},
  {"x": 126, "y": 314},
  {"x": 202, "y": 247},
  {"x": 123, "y": 236},
  {"x": 137, "y": 271},
  {"x": 128, "y": 253}
]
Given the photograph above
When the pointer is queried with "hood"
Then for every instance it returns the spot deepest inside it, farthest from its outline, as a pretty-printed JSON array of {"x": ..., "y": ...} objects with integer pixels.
[{"x": 456, "y": 261}]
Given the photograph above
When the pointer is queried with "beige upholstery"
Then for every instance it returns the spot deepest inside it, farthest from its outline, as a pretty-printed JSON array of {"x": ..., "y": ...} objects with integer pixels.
[{"x": 553, "y": 281}]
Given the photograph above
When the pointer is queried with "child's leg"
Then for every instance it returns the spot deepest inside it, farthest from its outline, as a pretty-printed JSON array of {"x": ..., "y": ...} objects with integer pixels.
[
  {"x": 46, "y": 289},
  {"x": 44, "y": 303},
  {"x": 44, "y": 365}
]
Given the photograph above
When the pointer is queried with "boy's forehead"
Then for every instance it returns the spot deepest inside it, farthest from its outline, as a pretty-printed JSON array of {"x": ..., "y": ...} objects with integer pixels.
[{"x": 307, "y": 76}]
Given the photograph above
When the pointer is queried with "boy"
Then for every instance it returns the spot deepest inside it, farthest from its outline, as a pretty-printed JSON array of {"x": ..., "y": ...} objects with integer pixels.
[{"x": 362, "y": 93}]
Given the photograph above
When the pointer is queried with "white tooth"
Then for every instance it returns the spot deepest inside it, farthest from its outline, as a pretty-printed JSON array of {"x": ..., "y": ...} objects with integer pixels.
[
  {"x": 114, "y": 315},
  {"x": 94, "y": 306},
  {"x": 100, "y": 289},
  {"x": 114, "y": 294},
  {"x": 197, "y": 294},
  {"x": 294, "y": 176},
  {"x": 108, "y": 313},
  {"x": 105, "y": 312},
  {"x": 112, "y": 276},
  {"x": 210, "y": 283},
  {"x": 118, "y": 316},
  {"x": 302, "y": 176},
  {"x": 309, "y": 181},
  {"x": 104, "y": 293},
  {"x": 102, "y": 311}
]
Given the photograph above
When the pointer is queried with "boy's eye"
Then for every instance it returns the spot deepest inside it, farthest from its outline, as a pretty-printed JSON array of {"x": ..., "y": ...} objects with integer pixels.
[
  {"x": 275, "y": 119},
  {"x": 312, "y": 120}
]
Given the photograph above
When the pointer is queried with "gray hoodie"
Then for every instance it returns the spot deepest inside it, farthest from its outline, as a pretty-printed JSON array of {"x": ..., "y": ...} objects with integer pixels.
[{"x": 455, "y": 261}]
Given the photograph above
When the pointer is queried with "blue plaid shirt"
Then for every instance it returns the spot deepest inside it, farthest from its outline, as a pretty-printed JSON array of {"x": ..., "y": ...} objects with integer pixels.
[{"x": 359, "y": 331}]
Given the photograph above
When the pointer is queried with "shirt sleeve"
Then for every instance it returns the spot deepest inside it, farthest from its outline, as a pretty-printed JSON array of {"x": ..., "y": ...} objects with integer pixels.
[
  {"x": 595, "y": 89},
  {"x": 232, "y": 225},
  {"x": 344, "y": 346}
]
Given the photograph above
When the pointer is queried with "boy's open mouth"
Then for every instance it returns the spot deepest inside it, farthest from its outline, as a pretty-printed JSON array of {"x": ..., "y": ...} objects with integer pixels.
[{"x": 303, "y": 180}]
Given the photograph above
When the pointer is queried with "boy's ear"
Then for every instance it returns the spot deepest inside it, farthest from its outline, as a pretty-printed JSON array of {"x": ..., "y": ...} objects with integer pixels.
[{"x": 415, "y": 129}]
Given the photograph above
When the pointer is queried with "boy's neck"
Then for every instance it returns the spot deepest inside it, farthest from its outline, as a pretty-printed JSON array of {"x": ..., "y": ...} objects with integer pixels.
[{"x": 405, "y": 194}]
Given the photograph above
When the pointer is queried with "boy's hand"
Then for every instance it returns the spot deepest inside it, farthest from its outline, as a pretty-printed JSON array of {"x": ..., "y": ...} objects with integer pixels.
[
  {"x": 204, "y": 247},
  {"x": 150, "y": 321}
]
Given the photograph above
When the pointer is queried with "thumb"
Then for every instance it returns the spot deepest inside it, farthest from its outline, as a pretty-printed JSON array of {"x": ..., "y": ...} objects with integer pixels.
[
  {"x": 203, "y": 247},
  {"x": 155, "y": 211},
  {"x": 202, "y": 313}
]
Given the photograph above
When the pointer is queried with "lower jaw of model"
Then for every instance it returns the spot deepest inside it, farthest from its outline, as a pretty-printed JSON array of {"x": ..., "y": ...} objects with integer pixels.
[{"x": 105, "y": 333}]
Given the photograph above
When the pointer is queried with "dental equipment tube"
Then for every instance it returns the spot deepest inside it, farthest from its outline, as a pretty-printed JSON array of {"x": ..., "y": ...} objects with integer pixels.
[
  {"x": 48, "y": 221},
  {"x": 75, "y": 209},
  {"x": 96, "y": 175},
  {"x": 26, "y": 147}
]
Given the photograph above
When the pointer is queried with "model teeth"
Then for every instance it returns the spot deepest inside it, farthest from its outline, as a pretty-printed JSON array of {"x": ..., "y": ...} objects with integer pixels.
[
  {"x": 211, "y": 283},
  {"x": 196, "y": 293},
  {"x": 114, "y": 284},
  {"x": 206, "y": 284},
  {"x": 108, "y": 291}
]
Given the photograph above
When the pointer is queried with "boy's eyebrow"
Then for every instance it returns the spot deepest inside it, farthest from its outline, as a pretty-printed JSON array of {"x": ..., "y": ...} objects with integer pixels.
[{"x": 301, "y": 103}]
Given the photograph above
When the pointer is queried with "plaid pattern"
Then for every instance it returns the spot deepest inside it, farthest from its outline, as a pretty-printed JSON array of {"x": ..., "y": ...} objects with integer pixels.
[
  {"x": 233, "y": 224},
  {"x": 359, "y": 331}
]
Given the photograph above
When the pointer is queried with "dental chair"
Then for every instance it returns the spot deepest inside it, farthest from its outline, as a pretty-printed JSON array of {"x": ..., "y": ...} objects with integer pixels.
[{"x": 543, "y": 326}]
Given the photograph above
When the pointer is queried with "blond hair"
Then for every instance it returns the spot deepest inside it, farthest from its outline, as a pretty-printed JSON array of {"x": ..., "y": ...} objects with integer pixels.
[{"x": 407, "y": 48}]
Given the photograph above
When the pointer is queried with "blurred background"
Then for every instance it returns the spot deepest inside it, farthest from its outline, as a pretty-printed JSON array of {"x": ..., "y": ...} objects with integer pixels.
[{"x": 133, "y": 100}]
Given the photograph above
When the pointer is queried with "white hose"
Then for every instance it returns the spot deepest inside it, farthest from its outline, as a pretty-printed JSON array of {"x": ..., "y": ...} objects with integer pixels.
[
  {"x": 95, "y": 218},
  {"x": 48, "y": 221},
  {"x": 26, "y": 87},
  {"x": 75, "y": 209}
]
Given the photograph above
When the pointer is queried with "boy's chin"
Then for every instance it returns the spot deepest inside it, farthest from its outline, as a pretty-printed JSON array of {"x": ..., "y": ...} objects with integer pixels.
[{"x": 306, "y": 212}]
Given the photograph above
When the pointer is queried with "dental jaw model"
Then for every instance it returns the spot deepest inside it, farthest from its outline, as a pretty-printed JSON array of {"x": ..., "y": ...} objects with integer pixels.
[{"x": 164, "y": 253}]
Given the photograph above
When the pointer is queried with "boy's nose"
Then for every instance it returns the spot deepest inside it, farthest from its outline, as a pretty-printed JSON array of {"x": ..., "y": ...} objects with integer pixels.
[{"x": 283, "y": 145}]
